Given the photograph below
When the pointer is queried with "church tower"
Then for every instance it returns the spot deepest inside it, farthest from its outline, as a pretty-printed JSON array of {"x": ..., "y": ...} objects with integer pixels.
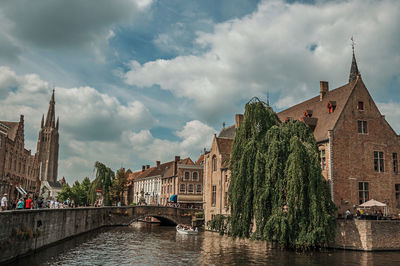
[{"x": 47, "y": 146}]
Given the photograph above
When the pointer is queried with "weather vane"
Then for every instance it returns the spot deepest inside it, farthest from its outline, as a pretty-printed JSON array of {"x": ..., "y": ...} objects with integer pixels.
[{"x": 352, "y": 43}]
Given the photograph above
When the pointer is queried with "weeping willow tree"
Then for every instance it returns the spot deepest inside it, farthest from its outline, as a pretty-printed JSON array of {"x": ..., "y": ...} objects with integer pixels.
[
  {"x": 276, "y": 185},
  {"x": 103, "y": 180}
]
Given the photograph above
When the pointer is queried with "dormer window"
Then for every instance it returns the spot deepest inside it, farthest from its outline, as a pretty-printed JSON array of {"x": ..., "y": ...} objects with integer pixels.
[
  {"x": 360, "y": 106},
  {"x": 308, "y": 113},
  {"x": 331, "y": 106}
]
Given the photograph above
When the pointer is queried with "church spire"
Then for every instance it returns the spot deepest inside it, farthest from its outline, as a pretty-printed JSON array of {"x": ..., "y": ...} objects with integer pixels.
[
  {"x": 354, "y": 69},
  {"x": 51, "y": 116}
]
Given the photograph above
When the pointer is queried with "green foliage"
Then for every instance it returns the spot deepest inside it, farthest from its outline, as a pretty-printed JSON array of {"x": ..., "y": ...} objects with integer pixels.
[
  {"x": 103, "y": 180},
  {"x": 118, "y": 185},
  {"x": 78, "y": 192},
  {"x": 65, "y": 193},
  {"x": 219, "y": 223},
  {"x": 274, "y": 165}
]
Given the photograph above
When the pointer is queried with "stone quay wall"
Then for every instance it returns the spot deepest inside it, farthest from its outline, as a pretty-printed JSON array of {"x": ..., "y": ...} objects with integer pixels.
[
  {"x": 368, "y": 235},
  {"x": 24, "y": 231}
]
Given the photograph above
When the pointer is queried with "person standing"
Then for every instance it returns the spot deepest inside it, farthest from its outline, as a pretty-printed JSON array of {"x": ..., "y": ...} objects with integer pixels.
[
  {"x": 28, "y": 203},
  {"x": 4, "y": 202},
  {"x": 20, "y": 204},
  {"x": 56, "y": 204},
  {"x": 39, "y": 204}
]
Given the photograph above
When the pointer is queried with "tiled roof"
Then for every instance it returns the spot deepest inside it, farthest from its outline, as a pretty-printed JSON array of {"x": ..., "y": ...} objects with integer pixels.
[
  {"x": 13, "y": 127},
  {"x": 165, "y": 169},
  {"x": 200, "y": 160},
  {"x": 321, "y": 118},
  {"x": 228, "y": 132},
  {"x": 224, "y": 145}
]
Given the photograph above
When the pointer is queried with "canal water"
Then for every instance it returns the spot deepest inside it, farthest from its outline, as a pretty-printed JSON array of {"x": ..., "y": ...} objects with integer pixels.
[{"x": 144, "y": 244}]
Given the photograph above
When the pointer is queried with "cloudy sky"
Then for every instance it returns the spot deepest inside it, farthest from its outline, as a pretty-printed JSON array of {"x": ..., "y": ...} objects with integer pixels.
[{"x": 143, "y": 80}]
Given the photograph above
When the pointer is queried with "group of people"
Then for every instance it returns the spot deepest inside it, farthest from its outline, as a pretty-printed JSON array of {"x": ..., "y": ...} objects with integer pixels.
[{"x": 40, "y": 203}]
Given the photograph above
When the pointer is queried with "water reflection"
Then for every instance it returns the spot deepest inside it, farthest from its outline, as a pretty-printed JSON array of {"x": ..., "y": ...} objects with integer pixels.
[{"x": 143, "y": 244}]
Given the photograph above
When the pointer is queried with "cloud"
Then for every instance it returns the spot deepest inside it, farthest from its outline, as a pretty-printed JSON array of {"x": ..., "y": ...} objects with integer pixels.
[
  {"x": 194, "y": 136},
  {"x": 91, "y": 123},
  {"x": 391, "y": 111},
  {"x": 281, "y": 48},
  {"x": 67, "y": 25}
]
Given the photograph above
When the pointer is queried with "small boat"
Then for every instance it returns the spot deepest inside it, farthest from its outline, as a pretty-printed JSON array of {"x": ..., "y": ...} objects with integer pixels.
[{"x": 186, "y": 230}]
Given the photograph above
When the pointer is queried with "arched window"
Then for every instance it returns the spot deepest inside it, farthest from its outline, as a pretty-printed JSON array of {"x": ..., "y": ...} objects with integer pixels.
[
  {"x": 182, "y": 188},
  {"x": 214, "y": 163},
  {"x": 187, "y": 175},
  {"x": 195, "y": 176},
  {"x": 198, "y": 188},
  {"x": 190, "y": 188}
]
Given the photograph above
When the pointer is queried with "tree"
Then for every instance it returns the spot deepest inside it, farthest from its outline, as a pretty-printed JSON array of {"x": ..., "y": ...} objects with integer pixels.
[
  {"x": 103, "y": 180},
  {"x": 118, "y": 185},
  {"x": 65, "y": 193},
  {"x": 277, "y": 183}
]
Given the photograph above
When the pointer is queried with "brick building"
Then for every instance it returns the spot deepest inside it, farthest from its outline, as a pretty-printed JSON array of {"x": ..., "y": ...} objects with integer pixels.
[
  {"x": 358, "y": 148},
  {"x": 22, "y": 173},
  {"x": 19, "y": 169},
  {"x": 217, "y": 173}
]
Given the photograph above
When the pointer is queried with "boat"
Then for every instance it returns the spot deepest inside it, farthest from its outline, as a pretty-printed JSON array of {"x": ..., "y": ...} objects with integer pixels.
[{"x": 186, "y": 230}]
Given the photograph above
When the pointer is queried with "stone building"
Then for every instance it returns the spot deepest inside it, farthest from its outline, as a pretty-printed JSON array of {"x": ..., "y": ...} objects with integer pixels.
[
  {"x": 19, "y": 169},
  {"x": 22, "y": 173},
  {"x": 47, "y": 151},
  {"x": 217, "y": 173},
  {"x": 358, "y": 148}
]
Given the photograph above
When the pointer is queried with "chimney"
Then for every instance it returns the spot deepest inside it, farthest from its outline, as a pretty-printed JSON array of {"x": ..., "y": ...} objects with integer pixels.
[
  {"x": 143, "y": 168},
  {"x": 147, "y": 166},
  {"x": 323, "y": 89},
  {"x": 177, "y": 158},
  {"x": 158, "y": 164},
  {"x": 238, "y": 120}
]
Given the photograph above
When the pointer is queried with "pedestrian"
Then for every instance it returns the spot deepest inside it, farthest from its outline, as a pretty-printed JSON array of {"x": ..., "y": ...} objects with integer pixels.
[
  {"x": 4, "y": 202},
  {"x": 28, "y": 203},
  {"x": 39, "y": 204},
  {"x": 57, "y": 204},
  {"x": 20, "y": 204},
  {"x": 52, "y": 204}
]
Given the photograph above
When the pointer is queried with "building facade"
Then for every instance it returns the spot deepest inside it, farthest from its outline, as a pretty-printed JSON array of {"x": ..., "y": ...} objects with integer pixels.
[
  {"x": 22, "y": 173},
  {"x": 358, "y": 148},
  {"x": 216, "y": 172},
  {"x": 19, "y": 169}
]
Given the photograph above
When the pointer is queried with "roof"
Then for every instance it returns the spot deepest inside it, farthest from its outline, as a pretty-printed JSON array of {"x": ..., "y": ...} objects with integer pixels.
[
  {"x": 322, "y": 119},
  {"x": 200, "y": 160},
  {"x": 224, "y": 145},
  {"x": 228, "y": 132},
  {"x": 12, "y": 129},
  {"x": 165, "y": 169}
]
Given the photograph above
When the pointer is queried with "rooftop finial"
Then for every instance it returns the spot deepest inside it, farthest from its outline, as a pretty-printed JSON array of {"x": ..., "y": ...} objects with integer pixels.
[{"x": 354, "y": 69}]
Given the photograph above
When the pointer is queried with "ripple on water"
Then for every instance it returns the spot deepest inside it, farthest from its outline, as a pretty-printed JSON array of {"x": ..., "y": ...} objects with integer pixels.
[{"x": 155, "y": 245}]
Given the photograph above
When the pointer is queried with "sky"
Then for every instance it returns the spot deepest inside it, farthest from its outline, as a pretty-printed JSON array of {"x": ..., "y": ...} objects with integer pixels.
[{"x": 138, "y": 81}]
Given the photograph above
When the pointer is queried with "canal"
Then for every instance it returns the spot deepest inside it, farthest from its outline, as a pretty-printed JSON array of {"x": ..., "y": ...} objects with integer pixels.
[{"x": 144, "y": 244}]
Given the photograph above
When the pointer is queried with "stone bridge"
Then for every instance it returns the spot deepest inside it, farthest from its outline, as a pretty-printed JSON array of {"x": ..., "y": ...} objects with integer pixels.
[{"x": 24, "y": 231}]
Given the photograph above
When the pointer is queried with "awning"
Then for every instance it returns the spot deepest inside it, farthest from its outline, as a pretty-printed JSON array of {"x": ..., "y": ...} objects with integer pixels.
[
  {"x": 173, "y": 198},
  {"x": 372, "y": 203},
  {"x": 190, "y": 198}
]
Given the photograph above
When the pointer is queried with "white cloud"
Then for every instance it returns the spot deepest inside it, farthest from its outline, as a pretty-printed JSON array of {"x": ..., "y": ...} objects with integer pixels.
[
  {"x": 283, "y": 48},
  {"x": 194, "y": 136}
]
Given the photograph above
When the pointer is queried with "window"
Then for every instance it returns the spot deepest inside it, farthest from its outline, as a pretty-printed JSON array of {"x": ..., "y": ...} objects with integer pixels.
[
  {"x": 363, "y": 192},
  {"x": 182, "y": 188},
  {"x": 226, "y": 178},
  {"x": 214, "y": 163},
  {"x": 395, "y": 163},
  {"x": 198, "y": 188},
  {"x": 360, "y": 106},
  {"x": 190, "y": 188},
  {"x": 187, "y": 175},
  {"x": 397, "y": 189},
  {"x": 323, "y": 159},
  {"x": 378, "y": 161},
  {"x": 362, "y": 127},
  {"x": 226, "y": 200},
  {"x": 195, "y": 176},
  {"x": 214, "y": 196}
]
